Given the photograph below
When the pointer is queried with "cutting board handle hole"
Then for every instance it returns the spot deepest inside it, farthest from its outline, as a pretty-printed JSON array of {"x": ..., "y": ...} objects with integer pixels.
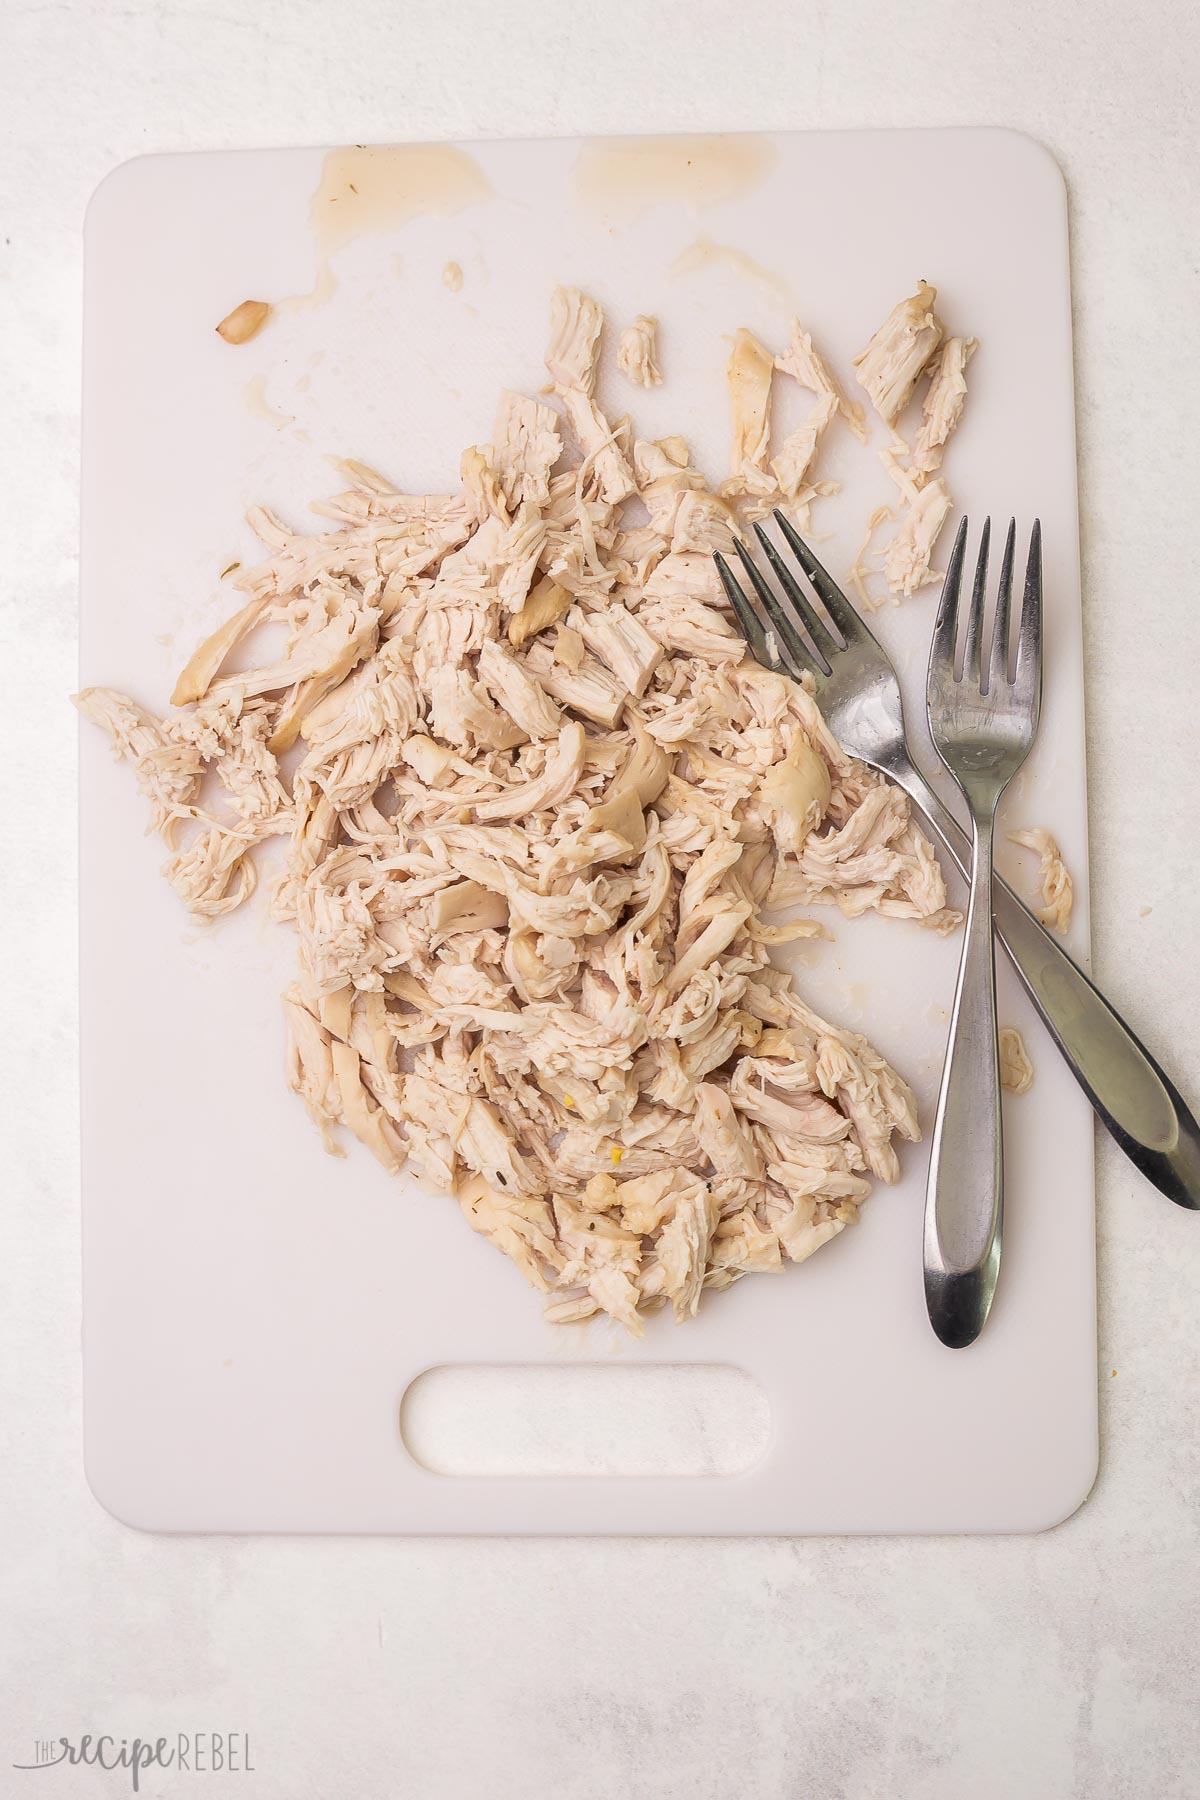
[{"x": 585, "y": 1419}]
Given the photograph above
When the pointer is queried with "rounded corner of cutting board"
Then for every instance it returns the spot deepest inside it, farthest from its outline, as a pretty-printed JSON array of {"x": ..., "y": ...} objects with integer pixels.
[
  {"x": 1030, "y": 158},
  {"x": 113, "y": 1495},
  {"x": 1064, "y": 1498},
  {"x": 110, "y": 190}
]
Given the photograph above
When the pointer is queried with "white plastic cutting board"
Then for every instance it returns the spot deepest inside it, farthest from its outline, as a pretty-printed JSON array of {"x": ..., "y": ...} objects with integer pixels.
[{"x": 253, "y": 1309}]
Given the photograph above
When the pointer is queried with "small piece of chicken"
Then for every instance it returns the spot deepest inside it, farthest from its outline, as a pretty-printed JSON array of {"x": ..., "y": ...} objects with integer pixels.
[
  {"x": 168, "y": 773},
  {"x": 723, "y": 1135},
  {"x": 1058, "y": 890},
  {"x": 637, "y": 353},
  {"x": 615, "y": 480},
  {"x": 802, "y": 1232},
  {"x": 214, "y": 874},
  {"x": 524, "y": 1229},
  {"x": 795, "y": 794},
  {"x": 310, "y": 1067},
  {"x": 684, "y": 1241},
  {"x": 575, "y": 325},
  {"x": 664, "y": 475},
  {"x": 361, "y": 1112},
  {"x": 549, "y": 789},
  {"x": 525, "y": 702},
  {"x": 943, "y": 405},
  {"x": 890, "y": 366},
  {"x": 906, "y": 563},
  {"x": 205, "y": 663},
  {"x": 527, "y": 446},
  {"x": 749, "y": 376},
  {"x": 704, "y": 523},
  {"x": 804, "y": 364},
  {"x": 328, "y": 653},
  {"x": 618, "y": 639},
  {"x": 588, "y": 688},
  {"x": 545, "y": 604},
  {"x": 1016, "y": 1070}
]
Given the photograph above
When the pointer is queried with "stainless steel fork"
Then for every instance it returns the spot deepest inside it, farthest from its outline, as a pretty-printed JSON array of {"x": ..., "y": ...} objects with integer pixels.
[
  {"x": 860, "y": 698},
  {"x": 983, "y": 724}
]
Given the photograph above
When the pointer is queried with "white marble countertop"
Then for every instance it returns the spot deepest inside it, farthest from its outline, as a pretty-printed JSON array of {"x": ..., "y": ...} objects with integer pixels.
[{"x": 1064, "y": 1665}]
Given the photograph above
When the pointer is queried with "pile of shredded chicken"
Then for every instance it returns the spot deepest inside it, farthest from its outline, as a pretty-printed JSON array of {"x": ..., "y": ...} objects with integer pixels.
[{"x": 541, "y": 805}]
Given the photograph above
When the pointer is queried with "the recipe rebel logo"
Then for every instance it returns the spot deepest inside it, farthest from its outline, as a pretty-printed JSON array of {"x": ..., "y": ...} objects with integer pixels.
[{"x": 198, "y": 1753}]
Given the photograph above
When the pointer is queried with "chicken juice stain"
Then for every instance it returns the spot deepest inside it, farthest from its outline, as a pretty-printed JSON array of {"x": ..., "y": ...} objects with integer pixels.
[
  {"x": 374, "y": 188},
  {"x": 630, "y": 174},
  {"x": 323, "y": 288},
  {"x": 260, "y": 407},
  {"x": 365, "y": 188},
  {"x": 705, "y": 254}
]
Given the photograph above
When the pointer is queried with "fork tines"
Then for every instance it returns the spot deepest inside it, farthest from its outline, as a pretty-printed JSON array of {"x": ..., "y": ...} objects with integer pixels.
[
  {"x": 784, "y": 630},
  {"x": 991, "y": 677}
]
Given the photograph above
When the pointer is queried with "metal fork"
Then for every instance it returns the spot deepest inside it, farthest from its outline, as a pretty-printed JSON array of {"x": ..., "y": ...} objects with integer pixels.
[
  {"x": 983, "y": 726},
  {"x": 859, "y": 695}
]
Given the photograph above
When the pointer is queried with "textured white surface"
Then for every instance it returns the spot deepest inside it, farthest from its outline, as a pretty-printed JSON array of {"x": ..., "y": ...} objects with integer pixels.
[
  {"x": 251, "y": 1323},
  {"x": 1064, "y": 1665}
]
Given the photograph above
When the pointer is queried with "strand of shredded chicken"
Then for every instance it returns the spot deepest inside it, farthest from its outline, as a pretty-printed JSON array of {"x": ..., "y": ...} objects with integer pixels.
[
  {"x": 760, "y": 483},
  {"x": 542, "y": 804},
  {"x": 1058, "y": 890},
  {"x": 860, "y": 568}
]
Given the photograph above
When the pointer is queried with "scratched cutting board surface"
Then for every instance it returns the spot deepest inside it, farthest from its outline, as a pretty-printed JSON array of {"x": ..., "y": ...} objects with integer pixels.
[{"x": 254, "y": 1310}]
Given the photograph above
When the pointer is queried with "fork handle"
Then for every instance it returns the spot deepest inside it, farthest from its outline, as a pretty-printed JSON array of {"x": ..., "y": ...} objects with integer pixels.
[
  {"x": 1134, "y": 1099},
  {"x": 964, "y": 1202}
]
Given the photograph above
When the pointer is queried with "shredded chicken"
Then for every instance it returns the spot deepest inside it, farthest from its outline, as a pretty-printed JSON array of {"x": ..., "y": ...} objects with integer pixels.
[
  {"x": 907, "y": 345},
  {"x": 759, "y": 482},
  {"x": 943, "y": 406},
  {"x": 749, "y": 375},
  {"x": 906, "y": 562},
  {"x": 1058, "y": 890},
  {"x": 1016, "y": 1070},
  {"x": 859, "y": 568},
  {"x": 541, "y": 802},
  {"x": 891, "y": 365},
  {"x": 637, "y": 353}
]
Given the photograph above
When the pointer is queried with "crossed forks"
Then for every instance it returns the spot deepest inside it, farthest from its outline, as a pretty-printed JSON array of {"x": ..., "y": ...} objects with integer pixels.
[{"x": 859, "y": 694}]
